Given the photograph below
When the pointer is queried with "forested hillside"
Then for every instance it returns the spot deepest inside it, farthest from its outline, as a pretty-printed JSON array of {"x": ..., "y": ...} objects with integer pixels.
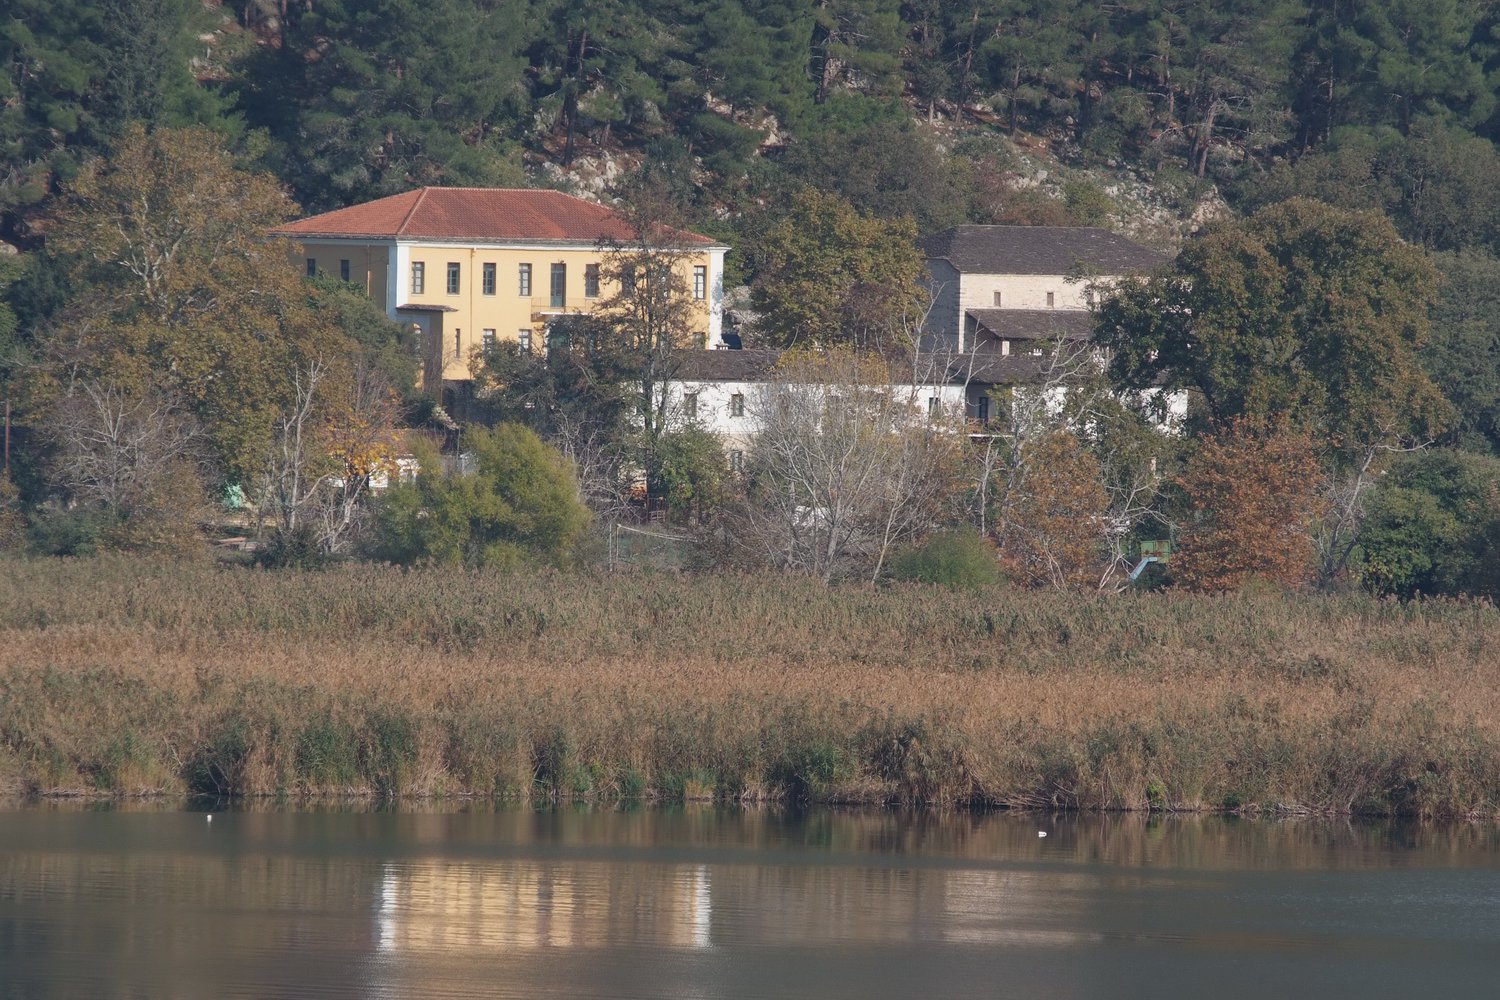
[{"x": 898, "y": 106}]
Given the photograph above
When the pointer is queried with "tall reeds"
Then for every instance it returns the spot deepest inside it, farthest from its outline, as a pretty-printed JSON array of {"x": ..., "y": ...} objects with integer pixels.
[{"x": 122, "y": 676}]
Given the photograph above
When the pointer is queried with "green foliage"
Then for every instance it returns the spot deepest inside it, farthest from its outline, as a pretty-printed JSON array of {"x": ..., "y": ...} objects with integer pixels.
[
  {"x": 829, "y": 275},
  {"x": 516, "y": 503},
  {"x": 691, "y": 472},
  {"x": 78, "y": 71},
  {"x": 575, "y": 388},
  {"x": 1463, "y": 357},
  {"x": 963, "y": 559},
  {"x": 185, "y": 296},
  {"x": 1439, "y": 184},
  {"x": 398, "y": 93},
  {"x": 384, "y": 345},
  {"x": 1302, "y": 312},
  {"x": 1433, "y": 526},
  {"x": 890, "y": 168}
]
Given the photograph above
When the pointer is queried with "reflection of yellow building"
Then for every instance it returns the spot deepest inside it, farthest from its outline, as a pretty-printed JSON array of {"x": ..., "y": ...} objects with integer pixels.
[
  {"x": 468, "y": 266},
  {"x": 439, "y": 906}
]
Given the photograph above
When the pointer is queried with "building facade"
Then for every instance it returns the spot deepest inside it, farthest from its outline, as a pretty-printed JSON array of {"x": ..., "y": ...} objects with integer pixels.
[
  {"x": 469, "y": 267},
  {"x": 993, "y": 287}
]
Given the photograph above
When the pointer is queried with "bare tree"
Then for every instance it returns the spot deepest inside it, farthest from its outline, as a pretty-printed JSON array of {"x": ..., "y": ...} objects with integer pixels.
[
  {"x": 844, "y": 465},
  {"x": 1068, "y": 395},
  {"x": 335, "y": 436},
  {"x": 650, "y": 311},
  {"x": 133, "y": 454},
  {"x": 292, "y": 473}
]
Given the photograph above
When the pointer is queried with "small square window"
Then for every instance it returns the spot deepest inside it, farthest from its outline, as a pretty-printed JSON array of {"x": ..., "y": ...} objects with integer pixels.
[
  {"x": 418, "y": 277},
  {"x": 737, "y": 405},
  {"x": 523, "y": 280},
  {"x": 690, "y": 405},
  {"x": 591, "y": 281},
  {"x": 343, "y": 270},
  {"x": 312, "y": 267},
  {"x": 452, "y": 279},
  {"x": 488, "y": 285},
  {"x": 700, "y": 281}
]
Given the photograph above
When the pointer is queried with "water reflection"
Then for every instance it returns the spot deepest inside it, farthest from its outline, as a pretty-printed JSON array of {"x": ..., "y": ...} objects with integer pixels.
[
  {"x": 733, "y": 903},
  {"x": 437, "y": 906}
]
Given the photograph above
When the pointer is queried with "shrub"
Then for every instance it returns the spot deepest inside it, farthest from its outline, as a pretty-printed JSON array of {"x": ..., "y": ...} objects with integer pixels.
[
  {"x": 961, "y": 558},
  {"x": 519, "y": 504}
]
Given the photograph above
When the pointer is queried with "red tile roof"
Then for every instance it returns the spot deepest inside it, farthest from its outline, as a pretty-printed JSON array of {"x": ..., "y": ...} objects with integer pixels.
[{"x": 488, "y": 215}]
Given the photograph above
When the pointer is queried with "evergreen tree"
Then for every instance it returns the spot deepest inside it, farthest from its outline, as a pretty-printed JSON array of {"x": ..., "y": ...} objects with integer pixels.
[{"x": 372, "y": 98}]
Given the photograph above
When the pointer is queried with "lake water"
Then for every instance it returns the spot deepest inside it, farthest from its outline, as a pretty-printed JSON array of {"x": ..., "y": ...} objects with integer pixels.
[{"x": 722, "y": 903}]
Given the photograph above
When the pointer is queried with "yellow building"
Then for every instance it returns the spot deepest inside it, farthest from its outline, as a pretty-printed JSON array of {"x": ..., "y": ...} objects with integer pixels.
[{"x": 471, "y": 266}]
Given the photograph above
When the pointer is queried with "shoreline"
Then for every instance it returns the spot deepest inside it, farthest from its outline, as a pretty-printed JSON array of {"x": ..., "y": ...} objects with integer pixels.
[{"x": 360, "y": 801}]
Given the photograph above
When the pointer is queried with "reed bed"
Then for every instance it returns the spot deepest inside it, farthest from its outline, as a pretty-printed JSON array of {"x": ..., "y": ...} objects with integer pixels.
[{"x": 122, "y": 676}]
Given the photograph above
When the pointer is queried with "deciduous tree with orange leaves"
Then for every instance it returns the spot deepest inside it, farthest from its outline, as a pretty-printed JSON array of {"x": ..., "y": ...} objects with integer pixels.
[
  {"x": 1056, "y": 532},
  {"x": 1253, "y": 494}
]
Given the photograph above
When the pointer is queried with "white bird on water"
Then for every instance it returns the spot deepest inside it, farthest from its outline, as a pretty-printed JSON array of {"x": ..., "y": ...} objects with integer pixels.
[
  {"x": 1039, "y": 833},
  {"x": 211, "y": 819}
]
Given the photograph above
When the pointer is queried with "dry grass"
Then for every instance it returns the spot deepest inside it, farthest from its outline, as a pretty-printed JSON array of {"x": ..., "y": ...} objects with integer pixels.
[{"x": 124, "y": 676}]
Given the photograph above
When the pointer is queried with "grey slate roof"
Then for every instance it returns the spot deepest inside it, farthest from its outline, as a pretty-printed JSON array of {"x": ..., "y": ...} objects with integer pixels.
[
  {"x": 750, "y": 365},
  {"x": 1038, "y": 250},
  {"x": 759, "y": 365},
  {"x": 1035, "y": 324}
]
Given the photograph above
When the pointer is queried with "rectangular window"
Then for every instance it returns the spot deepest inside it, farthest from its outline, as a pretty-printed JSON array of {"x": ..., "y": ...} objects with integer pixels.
[
  {"x": 627, "y": 281},
  {"x": 736, "y": 461},
  {"x": 559, "y": 285},
  {"x": 591, "y": 281},
  {"x": 984, "y": 408},
  {"x": 523, "y": 337},
  {"x": 1051, "y": 300},
  {"x": 1004, "y": 348},
  {"x": 489, "y": 340},
  {"x": 343, "y": 270},
  {"x": 418, "y": 277},
  {"x": 997, "y": 298},
  {"x": 700, "y": 282},
  {"x": 737, "y": 405},
  {"x": 523, "y": 278},
  {"x": 312, "y": 267},
  {"x": 452, "y": 279},
  {"x": 489, "y": 279},
  {"x": 690, "y": 405}
]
